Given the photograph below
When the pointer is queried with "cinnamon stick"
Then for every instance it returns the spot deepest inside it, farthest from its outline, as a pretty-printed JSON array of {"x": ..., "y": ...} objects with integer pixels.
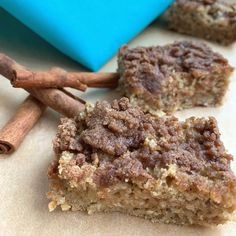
[
  {"x": 58, "y": 78},
  {"x": 99, "y": 80},
  {"x": 20, "y": 124},
  {"x": 58, "y": 99},
  {"x": 55, "y": 78},
  {"x": 63, "y": 102}
]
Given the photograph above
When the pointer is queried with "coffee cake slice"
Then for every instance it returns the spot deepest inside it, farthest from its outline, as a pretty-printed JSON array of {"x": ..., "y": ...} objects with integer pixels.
[
  {"x": 173, "y": 77},
  {"x": 114, "y": 157},
  {"x": 210, "y": 19}
]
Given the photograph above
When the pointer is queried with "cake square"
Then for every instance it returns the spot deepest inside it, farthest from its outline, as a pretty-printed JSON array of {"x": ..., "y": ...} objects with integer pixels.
[
  {"x": 115, "y": 157},
  {"x": 210, "y": 19},
  {"x": 173, "y": 77}
]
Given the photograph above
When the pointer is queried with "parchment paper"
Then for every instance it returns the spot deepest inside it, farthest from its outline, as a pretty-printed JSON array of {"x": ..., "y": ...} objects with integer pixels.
[{"x": 23, "y": 180}]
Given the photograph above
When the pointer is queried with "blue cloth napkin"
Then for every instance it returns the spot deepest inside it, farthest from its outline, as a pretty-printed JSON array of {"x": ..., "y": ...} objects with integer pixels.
[{"x": 89, "y": 31}]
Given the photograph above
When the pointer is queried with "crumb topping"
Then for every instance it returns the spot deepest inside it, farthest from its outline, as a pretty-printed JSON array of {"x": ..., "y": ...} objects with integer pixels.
[
  {"x": 124, "y": 143},
  {"x": 216, "y": 9}
]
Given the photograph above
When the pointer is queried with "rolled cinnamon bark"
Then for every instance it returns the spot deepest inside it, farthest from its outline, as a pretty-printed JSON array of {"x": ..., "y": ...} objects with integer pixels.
[
  {"x": 97, "y": 80},
  {"x": 63, "y": 102},
  {"x": 55, "y": 78},
  {"x": 58, "y": 99},
  {"x": 58, "y": 78},
  {"x": 13, "y": 133}
]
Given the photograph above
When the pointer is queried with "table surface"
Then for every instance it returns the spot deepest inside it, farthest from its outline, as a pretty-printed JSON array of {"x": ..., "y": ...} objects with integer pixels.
[{"x": 23, "y": 182}]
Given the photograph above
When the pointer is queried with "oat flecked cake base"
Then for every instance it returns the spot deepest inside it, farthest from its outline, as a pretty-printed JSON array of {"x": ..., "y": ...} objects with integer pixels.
[{"x": 113, "y": 157}]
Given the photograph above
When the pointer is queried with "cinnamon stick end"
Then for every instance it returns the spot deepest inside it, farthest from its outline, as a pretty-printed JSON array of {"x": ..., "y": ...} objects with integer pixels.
[
  {"x": 6, "y": 148},
  {"x": 13, "y": 77}
]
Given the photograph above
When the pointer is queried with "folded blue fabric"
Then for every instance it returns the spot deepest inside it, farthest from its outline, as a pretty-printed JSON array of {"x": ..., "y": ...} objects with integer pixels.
[{"x": 89, "y": 31}]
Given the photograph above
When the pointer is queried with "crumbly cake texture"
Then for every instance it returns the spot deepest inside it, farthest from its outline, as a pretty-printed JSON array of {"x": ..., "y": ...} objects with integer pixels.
[
  {"x": 173, "y": 77},
  {"x": 115, "y": 157},
  {"x": 210, "y": 19}
]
